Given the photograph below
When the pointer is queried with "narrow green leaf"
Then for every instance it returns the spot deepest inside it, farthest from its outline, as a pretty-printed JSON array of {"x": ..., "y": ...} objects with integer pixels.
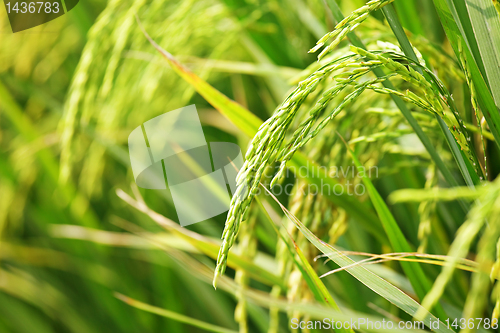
[
  {"x": 406, "y": 11},
  {"x": 367, "y": 277},
  {"x": 398, "y": 30},
  {"x": 453, "y": 28},
  {"x": 173, "y": 315},
  {"x": 486, "y": 26},
  {"x": 312, "y": 279}
]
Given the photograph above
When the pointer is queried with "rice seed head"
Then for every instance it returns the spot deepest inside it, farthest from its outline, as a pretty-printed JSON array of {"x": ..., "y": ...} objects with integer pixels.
[{"x": 348, "y": 24}]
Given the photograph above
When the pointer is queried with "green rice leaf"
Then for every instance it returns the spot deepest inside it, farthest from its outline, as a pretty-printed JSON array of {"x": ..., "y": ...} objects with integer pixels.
[
  {"x": 413, "y": 270},
  {"x": 486, "y": 26},
  {"x": 312, "y": 279},
  {"x": 365, "y": 276},
  {"x": 459, "y": 32},
  {"x": 173, "y": 315}
]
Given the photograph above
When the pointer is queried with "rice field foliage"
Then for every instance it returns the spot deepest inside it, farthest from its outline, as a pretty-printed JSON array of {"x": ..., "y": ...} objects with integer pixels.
[{"x": 396, "y": 102}]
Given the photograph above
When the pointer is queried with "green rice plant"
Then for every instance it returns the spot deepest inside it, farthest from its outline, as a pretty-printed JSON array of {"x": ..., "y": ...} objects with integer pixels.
[
  {"x": 412, "y": 86},
  {"x": 265, "y": 147}
]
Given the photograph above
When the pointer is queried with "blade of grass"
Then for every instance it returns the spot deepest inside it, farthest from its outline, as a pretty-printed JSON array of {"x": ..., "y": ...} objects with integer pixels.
[
  {"x": 419, "y": 195},
  {"x": 309, "y": 20},
  {"x": 485, "y": 24},
  {"x": 249, "y": 124},
  {"x": 467, "y": 265},
  {"x": 173, "y": 315},
  {"x": 459, "y": 11},
  {"x": 413, "y": 271},
  {"x": 407, "y": 10}
]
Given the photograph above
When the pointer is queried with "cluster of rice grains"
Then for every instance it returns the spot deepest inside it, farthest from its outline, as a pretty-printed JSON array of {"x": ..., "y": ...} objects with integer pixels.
[
  {"x": 473, "y": 98},
  {"x": 267, "y": 142},
  {"x": 349, "y": 73}
]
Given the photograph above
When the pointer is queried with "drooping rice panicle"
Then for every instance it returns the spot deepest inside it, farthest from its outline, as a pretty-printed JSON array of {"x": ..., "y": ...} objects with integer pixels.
[
  {"x": 348, "y": 24},
  {"x": 474, "y": 103},
  {"x": 268, "y": 144},
  {"x": 431, "y": 103},
  {"x": 434, "y": 94},
  {"x": 262, "y": 150}
]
